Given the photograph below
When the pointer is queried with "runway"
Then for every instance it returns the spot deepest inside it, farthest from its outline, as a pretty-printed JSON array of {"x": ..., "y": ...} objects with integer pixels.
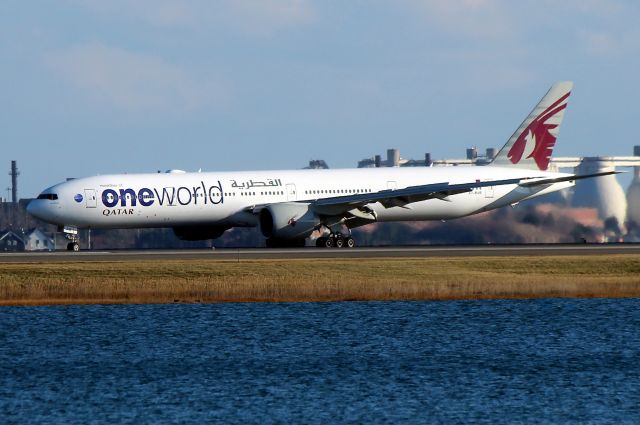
[{"x": 232, "y": 254}]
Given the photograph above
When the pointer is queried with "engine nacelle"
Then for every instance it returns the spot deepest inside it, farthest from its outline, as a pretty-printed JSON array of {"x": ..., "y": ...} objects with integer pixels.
[
  {"x": 288, "y": 220},
  {"x": 199, "y": 233}
]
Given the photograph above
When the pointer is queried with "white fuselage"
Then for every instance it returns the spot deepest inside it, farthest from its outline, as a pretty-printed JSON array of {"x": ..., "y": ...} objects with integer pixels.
[{"x": 230, "y": 198}]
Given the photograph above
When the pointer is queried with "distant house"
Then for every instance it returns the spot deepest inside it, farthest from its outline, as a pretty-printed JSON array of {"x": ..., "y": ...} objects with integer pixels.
[
  {"x": 10, "y": 241},
  {"x": 37, "y": 240}
]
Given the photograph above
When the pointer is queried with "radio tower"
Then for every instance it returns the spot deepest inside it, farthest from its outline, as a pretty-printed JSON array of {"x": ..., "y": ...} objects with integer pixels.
[{"x": 14, "y": 182}]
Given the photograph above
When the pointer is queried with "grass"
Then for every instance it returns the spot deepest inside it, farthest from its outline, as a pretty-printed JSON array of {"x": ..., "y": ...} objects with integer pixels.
[{"x": 319, "y": 280}]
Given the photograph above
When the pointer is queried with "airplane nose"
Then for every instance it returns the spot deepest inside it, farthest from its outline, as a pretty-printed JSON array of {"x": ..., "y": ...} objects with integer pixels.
[
  {"x": 31, "y": 207},
  {"x": 36, "y": 209}
]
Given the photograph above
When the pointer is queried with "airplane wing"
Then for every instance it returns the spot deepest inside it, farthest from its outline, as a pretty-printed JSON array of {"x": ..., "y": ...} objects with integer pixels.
[
  {"x": 403, "y": 197},
  {"x": 393, "y": 197}
]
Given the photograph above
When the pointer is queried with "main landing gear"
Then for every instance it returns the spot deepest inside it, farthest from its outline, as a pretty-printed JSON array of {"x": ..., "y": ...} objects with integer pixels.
[{"x": 335, "y": 240}]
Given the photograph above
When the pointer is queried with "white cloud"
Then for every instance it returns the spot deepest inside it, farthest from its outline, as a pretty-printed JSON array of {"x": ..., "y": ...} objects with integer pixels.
[
  {"x": 592, "y": 7},
  {"x": 132, "y": 81},
  {"x": 268, "y": 15},
  {"x": 599, "y": 42},
  {"x": 486, "y": 71},
  {"x": 475, "y": 18},
  {"x": 249, "y": 16}
]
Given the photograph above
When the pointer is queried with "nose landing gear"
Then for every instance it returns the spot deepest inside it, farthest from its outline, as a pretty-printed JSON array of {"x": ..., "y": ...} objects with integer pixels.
[
  {"x": 71, "y": 234},
  {"x": 73, "y": 246}
]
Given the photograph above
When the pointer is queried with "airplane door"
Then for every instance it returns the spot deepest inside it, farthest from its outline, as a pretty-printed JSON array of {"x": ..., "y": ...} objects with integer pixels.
[
  {"x": 90, "y": 198},
  {"x": 392, "y": 185},
  {"x": 291, "y": 192}
]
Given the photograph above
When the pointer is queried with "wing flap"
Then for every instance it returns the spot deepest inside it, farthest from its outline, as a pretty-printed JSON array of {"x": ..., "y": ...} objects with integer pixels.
[{"x": 566, "y": 179}]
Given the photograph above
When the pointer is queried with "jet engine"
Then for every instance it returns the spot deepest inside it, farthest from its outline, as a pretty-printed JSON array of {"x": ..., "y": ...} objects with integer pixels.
[
  {"x": 199, "y": 233},
  {"x": 288, "y": 220}
]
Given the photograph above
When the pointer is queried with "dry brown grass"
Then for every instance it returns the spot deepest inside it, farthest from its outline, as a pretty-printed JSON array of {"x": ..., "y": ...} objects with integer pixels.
[{"x": 319, "y": 280}]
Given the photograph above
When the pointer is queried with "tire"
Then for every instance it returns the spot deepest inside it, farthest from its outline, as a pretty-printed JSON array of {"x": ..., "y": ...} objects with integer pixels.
[
  {"x": 339, "y": 242},
  {"x": 350, "y": 242},
  {"x": 320, "y": 242},
  {"x": 76, "y": 247},
  {"x": 328, "y": 243}
]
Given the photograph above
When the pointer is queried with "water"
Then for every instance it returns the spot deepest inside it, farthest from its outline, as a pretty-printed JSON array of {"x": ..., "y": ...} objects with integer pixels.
[{"x": 486, "y": 361}]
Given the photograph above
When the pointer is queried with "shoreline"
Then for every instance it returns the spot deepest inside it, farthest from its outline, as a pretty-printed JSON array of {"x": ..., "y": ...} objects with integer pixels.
[{"x": 300, "y": 280}]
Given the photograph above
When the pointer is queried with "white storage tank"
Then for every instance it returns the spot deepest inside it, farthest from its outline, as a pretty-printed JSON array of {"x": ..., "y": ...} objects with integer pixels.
[
  {"x": 603, "y": 193},
  {"x": 633, "y": 193},
  {"x": 633, "y": 197}
]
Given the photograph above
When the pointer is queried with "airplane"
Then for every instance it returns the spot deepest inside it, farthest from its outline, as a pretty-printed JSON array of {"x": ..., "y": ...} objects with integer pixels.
[{"x": 289, "y": 206}]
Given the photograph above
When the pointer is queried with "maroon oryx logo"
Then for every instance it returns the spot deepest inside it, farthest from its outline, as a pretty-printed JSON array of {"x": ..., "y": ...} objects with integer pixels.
[{"x": 537, "y": 141}]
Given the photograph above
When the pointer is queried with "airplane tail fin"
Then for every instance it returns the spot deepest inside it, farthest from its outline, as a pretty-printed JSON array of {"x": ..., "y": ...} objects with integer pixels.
[{"x": 532, "y": 143}]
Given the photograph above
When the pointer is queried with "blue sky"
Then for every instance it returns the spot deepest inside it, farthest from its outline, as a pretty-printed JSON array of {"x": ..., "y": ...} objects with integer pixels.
[{"x": 95, "y": 87}]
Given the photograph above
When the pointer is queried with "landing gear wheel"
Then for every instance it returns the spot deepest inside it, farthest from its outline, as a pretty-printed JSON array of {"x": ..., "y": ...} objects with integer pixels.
[
  {"x": 73, "y": 246},
  {"x": 339, "y": 242},
  {"x": 320, "y": 242},
  {"x": 350, "y": 242},
  {"x": 328, "y": 243}
]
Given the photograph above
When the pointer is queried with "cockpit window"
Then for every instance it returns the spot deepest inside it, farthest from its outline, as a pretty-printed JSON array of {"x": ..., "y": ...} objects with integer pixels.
[{"x": 49, "y": 196}]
